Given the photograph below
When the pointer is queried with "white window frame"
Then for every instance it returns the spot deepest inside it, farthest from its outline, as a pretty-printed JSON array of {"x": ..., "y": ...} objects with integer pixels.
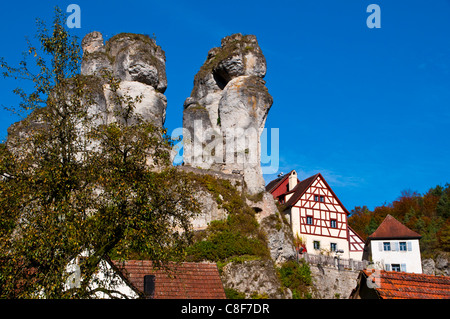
[
  {"x": 403, "y": 246},
  {"x": 335, "y": 247},
  {"x": 333, "y": 221},
  {"x": 316, "y": 244},
  {"x": 396, "y": 266}
]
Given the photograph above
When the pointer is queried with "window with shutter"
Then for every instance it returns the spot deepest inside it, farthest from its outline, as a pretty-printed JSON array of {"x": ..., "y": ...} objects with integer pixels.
[
  {"x": 395, "y": 267},
  {"x": 403, "y": 246}
]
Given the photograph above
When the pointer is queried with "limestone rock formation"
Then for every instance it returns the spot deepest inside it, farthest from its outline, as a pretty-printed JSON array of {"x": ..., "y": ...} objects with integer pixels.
[
  {"x": 439, "y": 266},
  {"x": 227, "y": 110},
  {"x": 253, "y": 278},
  {"x": 138, "y": 62},
  {"x": 331, "y": 283},
  {"x": 280, "y": 239},
  {"x": 133, "y": 59}
]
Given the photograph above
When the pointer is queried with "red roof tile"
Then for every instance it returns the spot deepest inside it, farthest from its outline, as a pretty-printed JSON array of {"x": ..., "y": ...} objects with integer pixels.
[
  {"x": 177, "y": 281},
  {"x": 401, "y": 285},
  {"x": 392, "y": 228}
]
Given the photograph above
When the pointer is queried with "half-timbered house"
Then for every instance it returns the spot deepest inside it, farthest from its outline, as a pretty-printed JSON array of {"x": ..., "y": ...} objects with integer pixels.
[{"x": 317, "y": 216}]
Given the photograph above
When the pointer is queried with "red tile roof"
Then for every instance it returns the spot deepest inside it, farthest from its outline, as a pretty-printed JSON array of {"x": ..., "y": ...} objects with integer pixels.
[
  {"x": 392, "y": 228},
  {"x": 179, "y": 281},
  {"x": 402, "y": 285}
]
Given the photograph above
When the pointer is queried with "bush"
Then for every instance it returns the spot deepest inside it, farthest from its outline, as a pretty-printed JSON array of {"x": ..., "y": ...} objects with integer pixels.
[
  {"x": 296, "y": 277},
  {"x": 238, "y": 235},
  {"x": 223, "y": 245},
  {"x": 234, "y": 294}
]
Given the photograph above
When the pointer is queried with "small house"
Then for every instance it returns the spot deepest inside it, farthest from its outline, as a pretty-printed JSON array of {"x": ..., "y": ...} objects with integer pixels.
[
  {"x": 394, "y": 247},
  {"x": 186, "y": 280}
]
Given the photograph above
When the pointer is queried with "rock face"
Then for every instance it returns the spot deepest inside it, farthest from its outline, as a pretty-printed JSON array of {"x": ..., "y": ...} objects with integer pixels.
[
  {"x": 439, "y": 266},
  {"x": 280, "y": 240},
  {"x": 227, "y": 110},
  {"x": 330, "y": 283},
  {"x": 255, "y": 277},
  {"x": 138, "y": 62}
]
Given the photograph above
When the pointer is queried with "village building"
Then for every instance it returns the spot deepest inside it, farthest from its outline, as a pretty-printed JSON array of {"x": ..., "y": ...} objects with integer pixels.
[
  {"x": 144, "y": 279},
  {"x": 381, "y": 284},
  {"x": 185, "y": 280},
  {"x": 394, "y": 247},
  {"x": 317, "y": 216}
]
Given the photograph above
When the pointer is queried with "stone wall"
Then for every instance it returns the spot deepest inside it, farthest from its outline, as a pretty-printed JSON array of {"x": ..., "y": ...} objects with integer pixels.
[{"x": 331, "y": 283}]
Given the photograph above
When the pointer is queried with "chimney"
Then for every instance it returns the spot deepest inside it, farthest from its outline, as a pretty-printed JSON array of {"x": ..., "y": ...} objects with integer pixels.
[
  {"x": 292, "y": 180},
  {"x": 149, "y": 286}
]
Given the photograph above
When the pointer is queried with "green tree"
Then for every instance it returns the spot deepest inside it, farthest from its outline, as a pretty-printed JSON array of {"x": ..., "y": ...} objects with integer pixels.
[
  {"x": 69, "y": 187},
  {"x": 371, "y": 227}
]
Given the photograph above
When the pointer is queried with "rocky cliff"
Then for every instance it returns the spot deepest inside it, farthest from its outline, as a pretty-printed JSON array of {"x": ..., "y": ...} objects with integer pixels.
[
  {"x": 227, "y": 110},
  {"x": 229, "y": 96},
  {"x": 438, "y": 266},
  {"x": 138, "y": 63}
]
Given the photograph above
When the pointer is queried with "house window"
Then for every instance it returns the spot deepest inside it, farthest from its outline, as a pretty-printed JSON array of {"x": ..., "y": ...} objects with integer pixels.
[
  {"x": 387, "y": 246},
  {"x": 403, "y": 246},
  {"x": 316, "y": 198},
  {"x": 316, "y": 245},
  {"x": 333, "y": 246},
  {"x": 322, "y": 199},
  {"x": 333, "y": 223},
  {"x": 309, "y": 220},
  {"x": 395, "y": 267}
]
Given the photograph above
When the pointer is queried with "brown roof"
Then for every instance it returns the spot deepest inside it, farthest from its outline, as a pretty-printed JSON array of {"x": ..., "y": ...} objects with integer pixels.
[
  {"x": 392, "y": 228},
  {"x": 186, "y": 280},
  {"x": 402, "y": 285},
  {"x": 272, "y": 185},
  {"x": 299, "y": 189}
]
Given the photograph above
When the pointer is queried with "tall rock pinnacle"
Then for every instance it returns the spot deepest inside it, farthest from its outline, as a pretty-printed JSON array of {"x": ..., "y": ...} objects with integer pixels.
[
  {"x": 138, "y": 62},
  {"x": 227, "y": 110}
]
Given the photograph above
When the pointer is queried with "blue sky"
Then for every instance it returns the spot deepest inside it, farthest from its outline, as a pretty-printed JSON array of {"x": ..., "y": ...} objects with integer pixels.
[{"x": 368, "y": 108}]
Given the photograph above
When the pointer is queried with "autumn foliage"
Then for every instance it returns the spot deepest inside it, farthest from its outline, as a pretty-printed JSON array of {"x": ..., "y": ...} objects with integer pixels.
[{"x": 427, "y": 214}]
